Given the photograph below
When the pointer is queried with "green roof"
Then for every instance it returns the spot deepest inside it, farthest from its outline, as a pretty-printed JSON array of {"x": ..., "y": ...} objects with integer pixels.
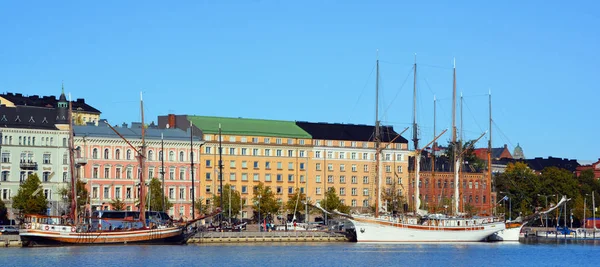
[{"x": 250, "y": 127}]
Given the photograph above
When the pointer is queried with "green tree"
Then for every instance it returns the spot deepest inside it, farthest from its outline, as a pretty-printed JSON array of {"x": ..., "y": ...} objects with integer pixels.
[
  {"x": 30, "y": 199},
  {"x": 3, "y": 213},
  {"x": 331, "y": 202},
  {"x": 265, "y": 199},
  {"x": 82, "y": 195},
  {"x": 393, "y": 199},
  {"x": 468, "y": 154},
  {"x": 297, "y": 203},
  {"x": 157, "y": 196},
  {"x": 235, "y": 201},
  {"x": 117, "y": 204},
  {"x": 201, "y": 206},
  {"x": 471, "y": 210}
]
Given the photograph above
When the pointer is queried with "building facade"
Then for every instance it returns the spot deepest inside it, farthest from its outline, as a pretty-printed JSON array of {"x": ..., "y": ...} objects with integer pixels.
[
  {"x": 33, "y": 141},
  {"x": 110, "y": 169},
  {"x": 288, "y": 156}
]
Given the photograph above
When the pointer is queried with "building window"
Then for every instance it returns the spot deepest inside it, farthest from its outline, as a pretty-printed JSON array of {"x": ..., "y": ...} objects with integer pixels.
[
  {"x": 106, "y": 192},
  {"x": 388, "y": 168},
  {"x": 244, "y": 164},
  {"x": 365, "y": 156},
  {"x": 353, "y": 190},
  {"x": 128, "y": 154},
  {"x": 95, "y": 173},
  {"x": 255, "y": 165},
  {"x": 46, "y": 158},
  {"x": 207, "y": 150},
  {"x": 342, "y": 155},
  {"x": 267, "y": 165},
  {"x": 342, "y": 179},
  {"x": 106, "y": 153},
  {"x": 95, "y": 153},
  {"x": 117, "y": 192},
  {"x": 232, "y": 164},
  {"x": 118, "y": 173},
  {"x": 318, "y": 190},
  {"x": 118, "y": 154},
  {"x": 232, "y": 177},
  {"x": 244, "y": 189},
  {"x": 301, "y": 166},
  {"x": 267, "y": 177},
  {"x": 279, "y": 178},
  {"x": 330, "y": 179},
  {"x": 365, "y": 179},
  {"x": 366, "y": 168},
  {"x": 290, "y": 166},
  {"x": 318, "y": 154},
  {"x": 181, "y": 174},
  {"x": 342, "y": 191},
  {"x": 290, "y": 189},
  {"x": 268, "y": 152},
  {"x": 208, "y": 176},
  {"x": 244, "y": 177},
  {"x": 48, "y": 194},
  {"x": 172, "y": 174},
  {"x": 290, "y": 177},
  {"x": 318, "y": 166},
  {"x": 256, "y": 177},
  {"x": 129, "y": 173},
  {"x": 278, "y": 153},
  {"x": 208, "y": 163},
  {"x": 365, "y": 203},
  {"x": 329, "y": 154},
  {"x": 182, "y": 193},
  {"x": 172, "y": 193},
  {"x": 65, "y": 177},
  {"x": 365, "y": 191},
  {"x": 232, "y": 151},
  {"x": 244, "y": 151},
  {"x": 353, "y": 180},
  {"x": 181, "y": 156},
  {"x": 5, "y": 175},
  {"x": 150, "y": 155},
  {"x": 106, "y": 172},
  {"x": 302, "y": 153},
  {"x": 5, "y": 157},
  {"x": 171, "y": 156},
  {"x": 290, "y": 153},
  {"x": 318, "y": 178},
  {"x": 342, "y": 167}
]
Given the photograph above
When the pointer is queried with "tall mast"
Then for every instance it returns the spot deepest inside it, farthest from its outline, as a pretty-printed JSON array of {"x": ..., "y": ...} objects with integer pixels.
[
  {"x": 220, "y": 169},
  {"x": 454, "y": 144},
  {"x": 377, "y": 142},
  {"x": 489, "y": 152},
  {"x": 454, "y": 108},
  {"x": 72, "y": 164},
  {"x": 461, "y": 140},
  {"x": 415, "y": 129},
  {"x": 434, "y": 143},
  {"x": 192, "y": 167},
  {"x": 142, "y": 159},
  {"x": 162, "y": 171}
]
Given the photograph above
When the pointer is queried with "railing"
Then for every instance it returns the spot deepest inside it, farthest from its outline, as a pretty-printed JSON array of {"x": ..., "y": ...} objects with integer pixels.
[
  {"x": 80, "y": 160},
  {"x": 29, "y": 165},
  {"x": 251, "y": 234}
]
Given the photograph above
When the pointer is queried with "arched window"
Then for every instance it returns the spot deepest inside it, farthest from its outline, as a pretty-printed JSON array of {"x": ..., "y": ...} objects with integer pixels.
[
  {"x": 95, "y": 153},
  {"x": 118, "y": 154},
  {"x": 181, "y": 156},
  {"x": 128, "y": 154},
  {"x": 171, "y": 156},
  {"x": 106, "y": 153},
  {"x": 160, "y": 155},
  {"x": 77, "y": 151},
  {"x": 150, "y": 155}
]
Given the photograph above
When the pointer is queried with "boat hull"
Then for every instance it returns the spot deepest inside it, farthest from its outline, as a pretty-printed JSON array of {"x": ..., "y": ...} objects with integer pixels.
[
  {"x": 377, "y": 231},
  {"x": 508, "y": 235},
  {"x": 172, "y": 235}
]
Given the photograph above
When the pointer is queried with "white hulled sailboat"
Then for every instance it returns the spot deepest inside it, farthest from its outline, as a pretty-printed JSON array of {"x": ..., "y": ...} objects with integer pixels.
[{"x": 421, "y": 227}]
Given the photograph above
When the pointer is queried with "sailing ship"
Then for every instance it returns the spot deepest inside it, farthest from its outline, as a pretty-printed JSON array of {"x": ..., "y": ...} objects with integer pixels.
[
  {"x": 420, "y": 227},
  {"x": 43, "y": 230}
]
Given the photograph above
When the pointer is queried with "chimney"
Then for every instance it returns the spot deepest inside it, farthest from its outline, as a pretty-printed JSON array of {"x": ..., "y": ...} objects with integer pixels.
[
  {"x": 171, "y": 121},
  {"x": 505, "y": 146},
  {"x": 124, "y": 125}
]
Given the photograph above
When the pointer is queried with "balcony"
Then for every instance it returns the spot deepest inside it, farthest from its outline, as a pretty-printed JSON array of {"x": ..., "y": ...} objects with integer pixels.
[
  {"x": 29, "y": 165},
  {"x": 80, "y": 161}
]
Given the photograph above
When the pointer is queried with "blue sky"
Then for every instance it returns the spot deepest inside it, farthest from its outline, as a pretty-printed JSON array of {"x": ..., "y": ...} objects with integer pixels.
[{"x": 314, "y": 61}]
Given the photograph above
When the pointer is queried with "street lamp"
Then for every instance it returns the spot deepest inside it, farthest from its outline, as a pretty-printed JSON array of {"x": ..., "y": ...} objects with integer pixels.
[
  {"x": 259, "y": 222},
  {"x": 584, "y": 207}
]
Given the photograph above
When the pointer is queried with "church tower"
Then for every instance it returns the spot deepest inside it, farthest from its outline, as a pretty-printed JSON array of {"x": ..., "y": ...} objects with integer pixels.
[
  {"x": 62, "y": 111},
  {"x": 518, "y": 153}
]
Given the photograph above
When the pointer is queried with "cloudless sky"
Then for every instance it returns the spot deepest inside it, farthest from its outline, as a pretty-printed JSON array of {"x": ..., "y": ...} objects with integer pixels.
[{"x": 315, "y": 61}]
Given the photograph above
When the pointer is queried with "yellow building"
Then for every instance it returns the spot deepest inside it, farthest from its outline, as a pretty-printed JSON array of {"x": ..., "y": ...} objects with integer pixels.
[{"x": 288, "y": 156}]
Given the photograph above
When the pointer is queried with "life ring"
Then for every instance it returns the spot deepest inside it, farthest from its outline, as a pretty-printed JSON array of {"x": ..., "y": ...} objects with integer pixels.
[
  {"x": 73, "y": 229},
  {"x": 46, "y": 228},
  {"x": 28, "y": 226}
]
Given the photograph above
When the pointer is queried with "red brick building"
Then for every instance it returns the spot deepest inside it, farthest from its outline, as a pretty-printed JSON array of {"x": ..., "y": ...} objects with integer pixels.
[
  {"x": 594, "y": 166},
  {"x": 497, "y": 153}
]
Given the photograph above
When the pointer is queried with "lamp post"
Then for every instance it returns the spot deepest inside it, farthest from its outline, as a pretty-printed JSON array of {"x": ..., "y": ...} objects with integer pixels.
[{"x": 259, "y": 221}]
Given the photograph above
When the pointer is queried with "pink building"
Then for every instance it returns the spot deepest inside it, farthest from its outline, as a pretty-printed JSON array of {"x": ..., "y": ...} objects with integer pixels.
[{"x": 109, "y": 167}]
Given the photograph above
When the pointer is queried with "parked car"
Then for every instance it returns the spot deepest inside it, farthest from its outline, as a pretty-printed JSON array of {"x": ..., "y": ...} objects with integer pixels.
[{"x": 8, "y": 229}]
